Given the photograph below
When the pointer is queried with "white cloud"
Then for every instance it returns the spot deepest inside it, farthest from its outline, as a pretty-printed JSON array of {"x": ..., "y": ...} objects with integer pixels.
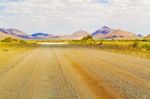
[{"x": 49, "y": 15}]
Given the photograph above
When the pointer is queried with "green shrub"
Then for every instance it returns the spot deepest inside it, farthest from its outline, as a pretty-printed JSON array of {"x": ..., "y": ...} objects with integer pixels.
[
  {"x": 22, "y": 42},
  {"x": 135, "y": 43},
  {"x": 89, "y": 37},
  {"x": 9, "y": 39},
  {"x": 146, "y": 46}
]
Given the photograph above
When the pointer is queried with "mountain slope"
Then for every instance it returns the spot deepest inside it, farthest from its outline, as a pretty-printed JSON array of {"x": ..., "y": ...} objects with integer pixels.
[
  {"x": 108, "y": 33},
  {"x": 40, "y": 35},
  {"x": 4, "y": 35},
  {"x": 14, "y": 33},
  {"x": 76, "y": 35},
  {"x": 121, "y": 34},
  {"x": 43, "y": 36},
  {"x": 103, "y": 33},
  {"x": 103, "y": 30},
  {"x": 148, "y": 36},
  {"x": 79, "y": 34}
]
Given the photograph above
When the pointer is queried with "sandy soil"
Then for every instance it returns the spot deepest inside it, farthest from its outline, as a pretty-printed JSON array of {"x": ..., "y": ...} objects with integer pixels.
[{"x": 74, "y": 73}]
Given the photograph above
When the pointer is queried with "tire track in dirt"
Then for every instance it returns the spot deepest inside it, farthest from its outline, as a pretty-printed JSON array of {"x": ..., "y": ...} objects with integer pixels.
[
  {"x": 124, "y": 82},
  {"x": 93, "y": 84},
  {"x": 13, "y": 63},
  {"x": 65, "y": 77},
  {"x": 101, "y": 61},
  {"x": 68, "y": 73},
  {"x": 136, "y": 66},
  {"x": 38, "y": 76},
  {"x": 13, "y": 83},
  {"x": 47, "y": 80}
]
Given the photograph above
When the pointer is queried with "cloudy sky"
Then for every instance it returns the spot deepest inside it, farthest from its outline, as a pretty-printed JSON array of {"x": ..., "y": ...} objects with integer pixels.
[{"x": 67, "y": 16}]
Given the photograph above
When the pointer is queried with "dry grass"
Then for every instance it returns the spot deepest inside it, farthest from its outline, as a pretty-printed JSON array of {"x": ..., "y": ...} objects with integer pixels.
[
  {"x": 132, "y": 47},
  {"x": 10, "y": 52}
]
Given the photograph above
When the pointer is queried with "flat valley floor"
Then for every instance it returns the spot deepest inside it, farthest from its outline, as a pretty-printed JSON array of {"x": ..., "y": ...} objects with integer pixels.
[{"x": 61, "y": 72}]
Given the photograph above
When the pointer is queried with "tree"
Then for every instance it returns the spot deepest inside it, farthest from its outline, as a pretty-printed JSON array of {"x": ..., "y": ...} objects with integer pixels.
[{"x": 89, "y": 37}]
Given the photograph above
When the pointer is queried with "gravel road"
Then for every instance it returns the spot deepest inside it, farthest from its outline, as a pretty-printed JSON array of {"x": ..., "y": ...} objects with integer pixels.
[{"x": 56, "y": 72}]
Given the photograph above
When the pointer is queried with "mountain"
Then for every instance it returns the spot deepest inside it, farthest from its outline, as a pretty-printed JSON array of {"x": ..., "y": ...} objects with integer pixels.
[
  {"x": 14, "y": 33},
  {"x": 148, "y": 36},
  {"x": 44, "y": 36},
  {"x": 3, "y": 35},
  {"x": 18, "y": 34},
  {"x": 120, "y": 34},
  {"x": 76, "y": 35},
  {"x": 40, "y": 35},
  {"x": 103, "y": 33},
  {"x": 108, "y": 33},
  {"x": 103, "y": 30},
  {"x": 80, "y": 34},
  {"x": 139, "y": 35}
]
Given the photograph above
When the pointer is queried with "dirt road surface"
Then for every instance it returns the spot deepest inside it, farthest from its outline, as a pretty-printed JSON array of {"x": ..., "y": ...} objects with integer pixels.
[{"x": 75, "y": 73}]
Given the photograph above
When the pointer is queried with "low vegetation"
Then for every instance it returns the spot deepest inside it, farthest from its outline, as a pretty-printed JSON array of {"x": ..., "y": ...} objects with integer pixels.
[
  {"x": 15, "y": 42},
  {"x": 10, "y": 47},
  {"x": 135, "y": 47},
  {"x": 12, "y": 40}
]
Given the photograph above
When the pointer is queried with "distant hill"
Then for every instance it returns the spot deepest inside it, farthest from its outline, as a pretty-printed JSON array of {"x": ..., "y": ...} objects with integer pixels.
[
  {"x": 76, "y": 35},
  {"x": 14, "y": 33},
  {"x": 79, "y": 34},
  {"x": 44, "y": 36},
  {"x": 102, "y": 33},
  {"x": 103, "y": 30},
  {"x": 139, "y": 35},
  {"x": 3, "y": 35},
  {"x": 108, "y": 33},
  {"x": 121, "y": 34},
  {"x": 148, "y": 36},
  {"x": 40, "y": 35},
  {"x": 18, "y": 34}
]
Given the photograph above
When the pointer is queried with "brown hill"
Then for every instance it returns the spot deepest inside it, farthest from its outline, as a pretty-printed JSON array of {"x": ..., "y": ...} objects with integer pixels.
[
  {"x": 76, "y": 35},
  {"x": 79, "y": 34},
  {"x": 13, "y": 33},
  {"x": 116, "y": 34},
  {"x": 4, "y": 35},
  {"x": 148, "y": 36},
  {"x": 17, "y": 32},
  {"x": 120, "y": 34}
]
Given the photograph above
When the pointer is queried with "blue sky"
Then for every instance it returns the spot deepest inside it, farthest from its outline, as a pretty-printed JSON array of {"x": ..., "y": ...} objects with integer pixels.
[{"x": 67, "y": 16}]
